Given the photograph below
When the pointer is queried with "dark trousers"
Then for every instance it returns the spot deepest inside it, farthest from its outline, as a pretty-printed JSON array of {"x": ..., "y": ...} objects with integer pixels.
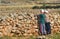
[{"x": 48, "y": 27}]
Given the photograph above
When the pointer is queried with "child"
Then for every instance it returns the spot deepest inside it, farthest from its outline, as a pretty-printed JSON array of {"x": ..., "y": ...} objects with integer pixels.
[
  {"x": 42, "y": 22},
  {"x": 47, "y": 24}
]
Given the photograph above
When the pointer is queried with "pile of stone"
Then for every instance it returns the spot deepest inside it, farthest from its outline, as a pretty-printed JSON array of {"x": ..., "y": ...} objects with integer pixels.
[
  {"x": 25, "y": 23},
  {"x": 19, "y": 24},
  {"x": 55, "y": 22}
]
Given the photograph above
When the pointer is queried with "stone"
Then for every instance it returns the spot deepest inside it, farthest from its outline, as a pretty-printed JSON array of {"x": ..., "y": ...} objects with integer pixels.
[
  {"x": 25, "y": 34},
  {"x": 20, "y": 17},
  {"x": 13, "y": 31},
  {"x": 35, "y": 27},
  {"x": 11, "y": 15},
  {"x": 1, "y": 34},
  {"x": 1, "y": 27},
  {"x": 17, "y": 31},
  {"x": 23, "y": 22},
  {"x": 28, "y": 21},
  {"x": 36, "y": 30}
]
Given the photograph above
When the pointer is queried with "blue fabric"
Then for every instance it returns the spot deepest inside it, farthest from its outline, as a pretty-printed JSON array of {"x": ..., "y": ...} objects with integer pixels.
[
  {"x": 42, "y": 28},
  {"x": 48, "y": 27}
]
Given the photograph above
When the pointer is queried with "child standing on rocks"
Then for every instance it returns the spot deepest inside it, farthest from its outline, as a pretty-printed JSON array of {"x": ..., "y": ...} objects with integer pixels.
[
  {"x": 47, "y": 23},
  {"x": 42, "y": 26},
  {"x": 42, "y": 22}
]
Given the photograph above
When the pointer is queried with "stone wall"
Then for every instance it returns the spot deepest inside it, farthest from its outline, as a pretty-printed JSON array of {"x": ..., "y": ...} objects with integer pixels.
[{"x": 23, "y": 22}]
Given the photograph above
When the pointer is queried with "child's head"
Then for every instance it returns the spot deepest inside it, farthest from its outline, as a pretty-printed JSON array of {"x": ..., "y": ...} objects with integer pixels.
[
  {"x": 46, "y": 12},
  {"x": 43, "y": 11}
]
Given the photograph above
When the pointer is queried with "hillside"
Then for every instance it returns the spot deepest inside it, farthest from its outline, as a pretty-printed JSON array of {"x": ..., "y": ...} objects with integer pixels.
[
  {"x": 24, "y": 2},
  {"x": 17, "y": 18}
]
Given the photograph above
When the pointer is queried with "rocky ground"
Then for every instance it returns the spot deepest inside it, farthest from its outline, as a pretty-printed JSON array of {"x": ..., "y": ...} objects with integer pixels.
[{"x": 23, "y": 22}]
